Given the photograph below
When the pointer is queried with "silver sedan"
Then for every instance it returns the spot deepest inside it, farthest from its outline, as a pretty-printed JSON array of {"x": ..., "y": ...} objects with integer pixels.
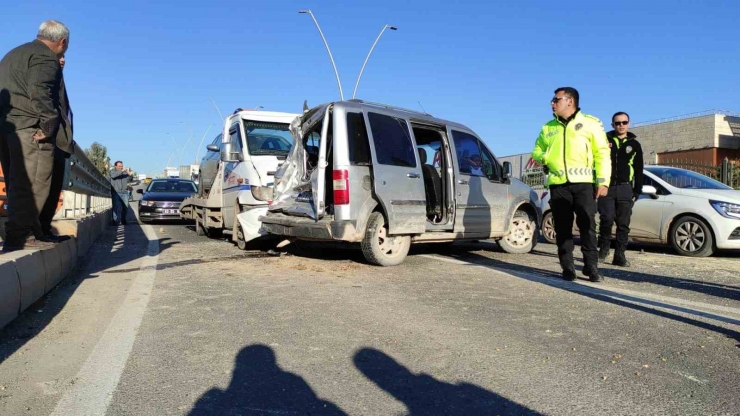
[{"x": 693, "y": 213}]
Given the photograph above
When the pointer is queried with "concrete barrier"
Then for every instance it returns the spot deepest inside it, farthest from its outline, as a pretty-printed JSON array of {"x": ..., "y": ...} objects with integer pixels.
[
  {"x": 32, "y": 275},
  {"x": 10, "y": 293},
  {"x": 26, "y": 275}
]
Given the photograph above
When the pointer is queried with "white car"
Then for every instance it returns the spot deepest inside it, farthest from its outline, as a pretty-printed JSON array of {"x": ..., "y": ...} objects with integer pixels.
[{"x": 693, "y": 213}]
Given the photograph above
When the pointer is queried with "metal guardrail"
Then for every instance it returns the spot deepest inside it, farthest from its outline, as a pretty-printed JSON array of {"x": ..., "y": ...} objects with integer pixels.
[
  {"x": 86, "y": 190},
  {"x": 687, "y": 116}
]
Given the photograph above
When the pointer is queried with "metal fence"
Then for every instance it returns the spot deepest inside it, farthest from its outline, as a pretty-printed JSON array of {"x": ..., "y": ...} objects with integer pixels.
[
  {"x": 727, "y": 172},
  {"x": 86, "y": 189}
]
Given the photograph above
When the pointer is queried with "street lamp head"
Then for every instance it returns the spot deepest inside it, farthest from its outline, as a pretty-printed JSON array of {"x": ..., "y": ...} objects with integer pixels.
[
  {"x": 391, "y": 27},
  {"x": 304, "y": 12}
]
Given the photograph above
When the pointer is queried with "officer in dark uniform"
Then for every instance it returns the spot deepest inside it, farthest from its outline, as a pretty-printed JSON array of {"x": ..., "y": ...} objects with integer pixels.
[{"x": 626, "y": 180}]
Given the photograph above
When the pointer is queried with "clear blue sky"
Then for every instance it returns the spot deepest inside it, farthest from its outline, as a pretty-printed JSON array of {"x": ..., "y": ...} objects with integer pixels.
[{"x": 137, "y": 70}]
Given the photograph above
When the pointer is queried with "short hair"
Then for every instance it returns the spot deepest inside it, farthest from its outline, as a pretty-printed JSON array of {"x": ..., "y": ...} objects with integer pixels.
[
  {"x": 53, "y": 30},
  {"x": 570, "y": 92},
  {"x": 620, "y": 113},
  {"x": 117, "y": 162}
]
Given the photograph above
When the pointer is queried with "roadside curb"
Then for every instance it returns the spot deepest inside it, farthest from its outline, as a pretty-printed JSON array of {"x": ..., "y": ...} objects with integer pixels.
[{"x": 27, "y": 275}]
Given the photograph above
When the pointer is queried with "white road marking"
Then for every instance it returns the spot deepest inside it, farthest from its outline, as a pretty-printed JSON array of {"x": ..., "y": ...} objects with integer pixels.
[
  {"x": 706, "y": 310},
  {"x": 99, "y": 376}
]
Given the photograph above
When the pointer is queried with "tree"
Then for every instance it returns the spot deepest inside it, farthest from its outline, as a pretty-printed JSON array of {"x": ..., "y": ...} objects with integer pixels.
[{"x": 98, "y": 155}]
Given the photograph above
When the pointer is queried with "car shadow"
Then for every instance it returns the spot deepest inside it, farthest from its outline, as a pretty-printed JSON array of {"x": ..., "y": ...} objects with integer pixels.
[
  {"x": 259, "y": 386},
  {"x": 654, "y": 307},
  {"x": 423, "y": 394},
  {"x": 109, "y": 251}
]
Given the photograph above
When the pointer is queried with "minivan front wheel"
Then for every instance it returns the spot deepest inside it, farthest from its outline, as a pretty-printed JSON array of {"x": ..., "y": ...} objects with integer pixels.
[
  {"x": 380, "y": 248},
  {"x": 523, "y": 234}
]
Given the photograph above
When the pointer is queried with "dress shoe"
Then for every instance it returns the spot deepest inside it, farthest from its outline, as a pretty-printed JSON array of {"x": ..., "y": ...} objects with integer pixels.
[{"x": 29, "y": 244}]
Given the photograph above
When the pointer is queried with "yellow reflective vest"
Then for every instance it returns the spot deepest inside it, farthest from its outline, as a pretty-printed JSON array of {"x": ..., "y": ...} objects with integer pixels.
[{"x": 574, "y": 150}]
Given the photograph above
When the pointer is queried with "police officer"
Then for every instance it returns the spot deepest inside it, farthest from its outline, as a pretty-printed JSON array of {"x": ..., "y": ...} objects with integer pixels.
[
  {"x": 626, "y": 180},
  {"x": 573, "y": 150}
]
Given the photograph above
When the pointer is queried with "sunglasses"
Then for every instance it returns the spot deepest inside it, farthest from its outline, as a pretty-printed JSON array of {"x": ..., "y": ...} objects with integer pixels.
[
  {"x": 621, "y": 123},
  {"x": 556, "y": 99}
]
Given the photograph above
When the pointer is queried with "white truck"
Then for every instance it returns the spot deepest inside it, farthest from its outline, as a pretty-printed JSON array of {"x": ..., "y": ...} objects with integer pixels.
[{"x": 247, "y": 153}]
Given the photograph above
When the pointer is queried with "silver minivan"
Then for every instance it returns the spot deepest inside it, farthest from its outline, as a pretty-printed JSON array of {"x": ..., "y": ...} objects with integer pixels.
[{"x": 385, "y": 177}]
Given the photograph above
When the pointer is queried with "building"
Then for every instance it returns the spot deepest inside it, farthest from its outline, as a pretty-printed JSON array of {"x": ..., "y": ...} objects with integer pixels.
[{"x": 702, "y": 138}]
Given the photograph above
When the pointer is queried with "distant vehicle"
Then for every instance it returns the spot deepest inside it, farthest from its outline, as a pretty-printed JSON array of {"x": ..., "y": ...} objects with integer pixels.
[
  {"x": 695, "y": 214},
  {"x": 161, "y": 199},
  {"x": 142, "y": 176},
  {"x": 188, "y": 172},
  {"x": 172, "y": 173},
  {"x": 236, "y": 176},
  {"x": 385, "y": 177}
]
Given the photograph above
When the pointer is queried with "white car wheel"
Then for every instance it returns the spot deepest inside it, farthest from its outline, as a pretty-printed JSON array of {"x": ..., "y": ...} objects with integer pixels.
[{"x": 548, "y": 228}]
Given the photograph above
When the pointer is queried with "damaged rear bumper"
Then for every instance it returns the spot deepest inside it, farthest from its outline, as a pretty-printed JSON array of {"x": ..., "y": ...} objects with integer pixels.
[{"x": 307, "y": 228}]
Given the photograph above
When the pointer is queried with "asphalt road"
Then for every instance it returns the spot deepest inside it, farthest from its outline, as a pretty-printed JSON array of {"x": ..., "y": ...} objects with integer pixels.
[{"x": 160, "y": 321}]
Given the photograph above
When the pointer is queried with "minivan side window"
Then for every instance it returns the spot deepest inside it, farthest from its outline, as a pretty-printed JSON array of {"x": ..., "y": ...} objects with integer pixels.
[
  {"x": 359, "y": 145},
  {"x": 473, "y": 158},
  {"x": 392, "y": 140}
]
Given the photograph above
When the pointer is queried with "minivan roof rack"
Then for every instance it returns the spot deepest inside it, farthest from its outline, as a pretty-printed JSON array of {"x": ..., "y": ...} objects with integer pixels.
[{"x": 391, "y": 107}]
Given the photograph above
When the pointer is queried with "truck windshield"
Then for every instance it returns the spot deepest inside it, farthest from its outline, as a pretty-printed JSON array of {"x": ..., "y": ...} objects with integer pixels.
[{"x": 265, "y": 138}]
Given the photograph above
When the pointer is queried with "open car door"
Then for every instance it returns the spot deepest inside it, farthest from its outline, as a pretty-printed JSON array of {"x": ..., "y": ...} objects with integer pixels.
[{"x": 318, "y": 176}]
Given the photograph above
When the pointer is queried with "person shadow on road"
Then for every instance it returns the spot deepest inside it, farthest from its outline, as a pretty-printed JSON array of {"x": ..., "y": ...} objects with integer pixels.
[
  {"x": 260, "y": 387},
  {"x": 424, "y": 395}
]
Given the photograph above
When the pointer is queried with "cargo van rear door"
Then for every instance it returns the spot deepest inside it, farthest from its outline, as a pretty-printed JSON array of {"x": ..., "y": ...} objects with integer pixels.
[{"x": 397, "y": 175}]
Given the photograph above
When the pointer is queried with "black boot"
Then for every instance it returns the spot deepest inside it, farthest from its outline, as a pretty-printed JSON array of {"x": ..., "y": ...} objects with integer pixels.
[
  {"x": 569, "y": 275},
  {"x": 593, "y": 273},
  {"x": 604, "y": 246},
  {"x": 620, "y": 259}
]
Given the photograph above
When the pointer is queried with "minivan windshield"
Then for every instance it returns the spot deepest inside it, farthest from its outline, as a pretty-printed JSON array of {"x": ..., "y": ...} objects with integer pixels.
[
  {"x": 264, "y": 138},
  {"x": 685, "y": 179}
]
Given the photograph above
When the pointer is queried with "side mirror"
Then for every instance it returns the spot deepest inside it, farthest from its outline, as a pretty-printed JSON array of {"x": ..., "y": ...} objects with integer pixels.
[
  {"x": 212, "y": 148},
  {"x": 229, "y": 153},
  {"x": 507, "y": 170},
  {"x": 650, "y": 190},
  {"x": 139, "y": 191}
]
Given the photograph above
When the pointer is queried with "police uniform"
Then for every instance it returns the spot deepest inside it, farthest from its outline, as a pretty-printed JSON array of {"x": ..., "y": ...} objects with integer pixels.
[
  {"x": 626, "y": 180},
  {"x": 575, "y": 154}
]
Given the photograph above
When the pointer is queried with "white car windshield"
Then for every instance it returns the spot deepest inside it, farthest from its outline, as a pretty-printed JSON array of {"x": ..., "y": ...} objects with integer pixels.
[
  {"x": 265, "y": 138},
  {"x": 685, "y": 179}
]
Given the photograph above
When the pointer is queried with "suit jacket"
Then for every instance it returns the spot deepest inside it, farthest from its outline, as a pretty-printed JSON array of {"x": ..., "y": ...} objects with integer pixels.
[
  {"x": 65, "y": 134},
  {"x": 30, "y": 82}
]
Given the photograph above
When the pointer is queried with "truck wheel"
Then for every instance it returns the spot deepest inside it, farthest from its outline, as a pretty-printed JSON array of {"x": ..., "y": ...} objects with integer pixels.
[
  {"x": 199, "y": 230},
  {"x": 240, "y": 236},
  {"x": 523, "y": 236},
  {"x": 381, "y": 249}
]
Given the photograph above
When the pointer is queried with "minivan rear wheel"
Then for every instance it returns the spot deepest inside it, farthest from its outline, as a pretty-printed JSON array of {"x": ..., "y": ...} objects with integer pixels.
[
  {"x": 380, "y": 248},
  {"x": 523, "y": 236}
]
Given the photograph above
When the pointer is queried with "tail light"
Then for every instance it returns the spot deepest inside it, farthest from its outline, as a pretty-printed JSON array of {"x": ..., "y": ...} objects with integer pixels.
[{"x": 341, "y": 187}]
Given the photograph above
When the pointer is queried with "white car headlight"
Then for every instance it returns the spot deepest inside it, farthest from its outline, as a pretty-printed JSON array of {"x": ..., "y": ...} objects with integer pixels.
[{"x": 727, "y": 209}]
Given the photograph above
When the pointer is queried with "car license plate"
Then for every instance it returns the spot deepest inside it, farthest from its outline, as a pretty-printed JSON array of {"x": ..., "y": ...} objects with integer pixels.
[{"x": 171, "y": 211}]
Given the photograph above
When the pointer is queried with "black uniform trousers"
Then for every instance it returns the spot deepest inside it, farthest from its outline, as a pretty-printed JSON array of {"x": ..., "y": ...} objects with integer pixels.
[
  {"x": 616, "y": 205},
  {"x": 566, "y": 200}
]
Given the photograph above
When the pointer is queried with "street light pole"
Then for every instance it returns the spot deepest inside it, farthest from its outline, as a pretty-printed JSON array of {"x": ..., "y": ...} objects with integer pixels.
[
  {"x": 368, "y": 56},
  {"x": 197, "y": 152},
  {"x": 339, "y": 83}
]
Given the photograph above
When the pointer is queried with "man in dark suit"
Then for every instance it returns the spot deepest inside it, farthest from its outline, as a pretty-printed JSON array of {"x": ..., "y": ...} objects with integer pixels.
[
  {"x": 30, "y": 119},
  {"x": 61, "y": 155}
]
